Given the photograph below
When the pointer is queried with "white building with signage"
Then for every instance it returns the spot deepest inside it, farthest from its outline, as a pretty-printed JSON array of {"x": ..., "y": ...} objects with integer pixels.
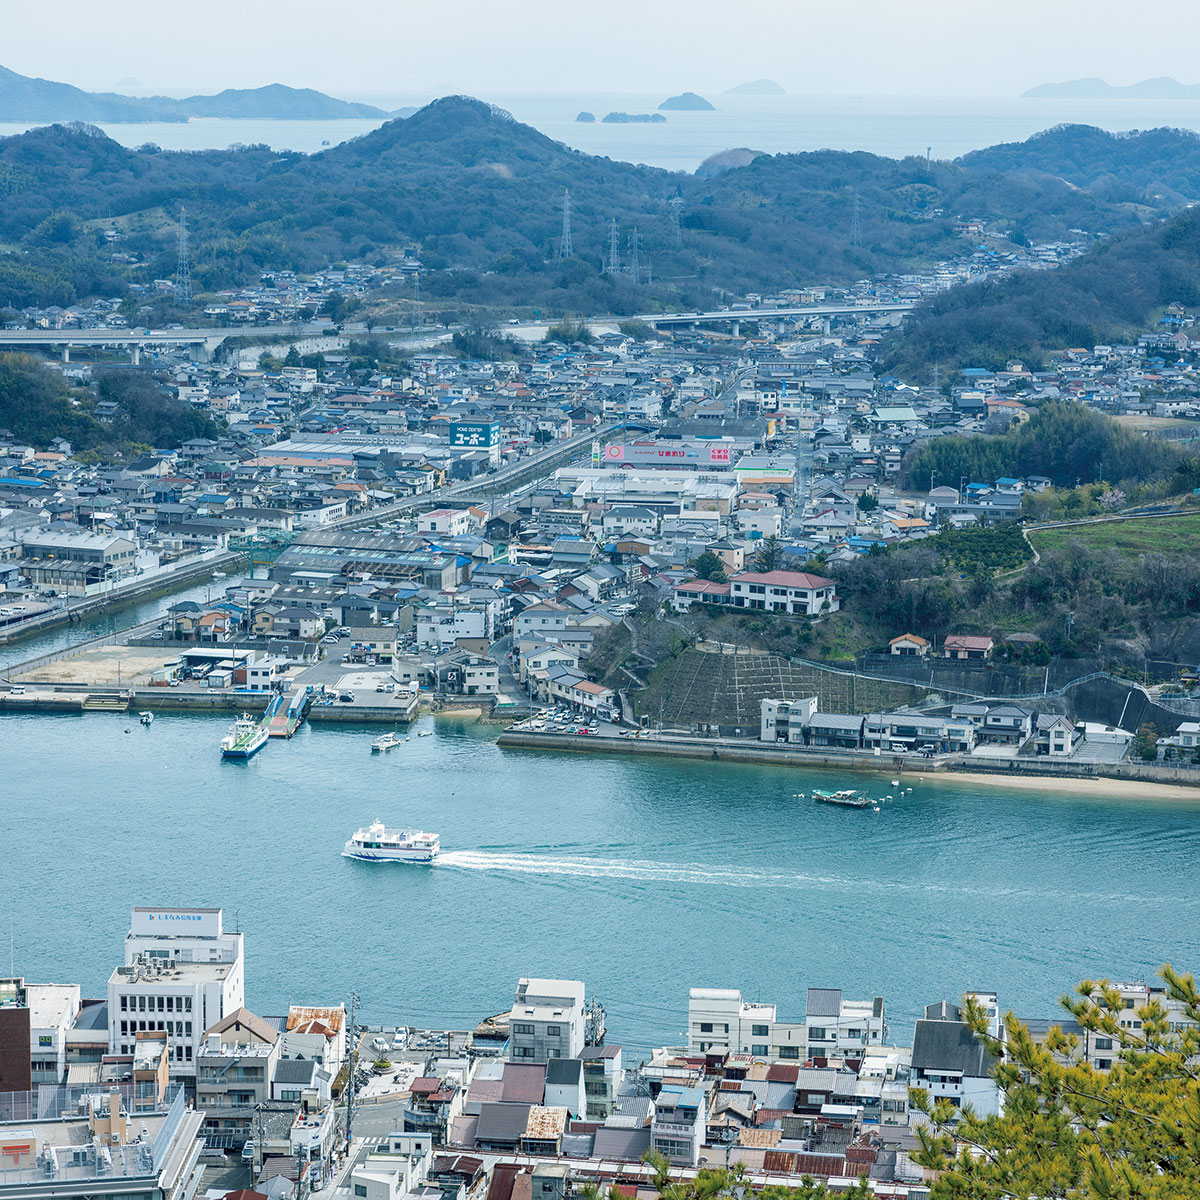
[{"x": 182, "y": 973}]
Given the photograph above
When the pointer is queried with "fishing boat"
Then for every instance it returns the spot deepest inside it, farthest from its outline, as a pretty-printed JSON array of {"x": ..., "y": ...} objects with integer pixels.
[
  {"x": 377, "y": 843},
  {"x": 145, "y": 717},
  {"x": 847, "y": 798},
  {"x": 246, "y": 737},
  {"x": 384, "y": 743}
]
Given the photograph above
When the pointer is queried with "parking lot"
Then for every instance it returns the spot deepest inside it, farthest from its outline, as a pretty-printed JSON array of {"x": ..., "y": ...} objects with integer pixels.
[{"x": 561, "y": 720}]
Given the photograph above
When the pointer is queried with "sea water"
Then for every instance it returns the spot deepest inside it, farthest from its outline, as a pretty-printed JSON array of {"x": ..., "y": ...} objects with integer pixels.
[
  {"x": 641, "y": 877},
  {"x": 945, "y": 127}
]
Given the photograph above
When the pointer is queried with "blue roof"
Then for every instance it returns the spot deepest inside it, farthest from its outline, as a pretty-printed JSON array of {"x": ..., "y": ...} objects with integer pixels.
[{"x": 23, "y": 482}]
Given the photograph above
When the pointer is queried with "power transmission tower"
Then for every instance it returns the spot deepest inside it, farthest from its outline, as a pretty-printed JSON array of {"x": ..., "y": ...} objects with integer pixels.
[
  {"x": 183, "y": 273},
  {"x": 676, "y": 206},
  {"x": 634, "y": 270},
  {"x": 937, "y": 377},
  {"x": 855, "y": 222},
  {"x": 564, "y": 245},
  {"x": 614, "y": 248},
  {"x": 417, "y": 314}
]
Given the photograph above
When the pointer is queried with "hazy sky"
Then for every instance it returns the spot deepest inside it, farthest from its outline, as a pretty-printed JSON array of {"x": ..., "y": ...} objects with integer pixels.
[{"x": 492, "y": 47}]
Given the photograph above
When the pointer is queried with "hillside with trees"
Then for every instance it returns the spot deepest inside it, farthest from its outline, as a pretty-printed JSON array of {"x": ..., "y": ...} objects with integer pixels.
[
  {"x": 479, "y": 195},
  {"x": 1111, "y": 293},
  {"x": 37, "y": 405}
]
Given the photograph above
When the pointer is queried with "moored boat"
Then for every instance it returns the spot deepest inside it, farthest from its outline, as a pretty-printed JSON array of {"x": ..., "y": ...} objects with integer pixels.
[
  {"x": 386, "y": 742},
  {"x": 377, "y": 843},
  {"x": 847, "y": 798},
  {"x": 245, "y": 738},
  {"x": 145, "y": 717}
]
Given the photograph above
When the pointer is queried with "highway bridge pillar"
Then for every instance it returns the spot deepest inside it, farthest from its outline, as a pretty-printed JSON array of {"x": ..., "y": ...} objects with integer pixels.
[
  {"x": 66, "y": 354},
  {"x": 135, "y": 354},
  {"x": 825, "y": 326},
  {"x": 737, "y": 329}
]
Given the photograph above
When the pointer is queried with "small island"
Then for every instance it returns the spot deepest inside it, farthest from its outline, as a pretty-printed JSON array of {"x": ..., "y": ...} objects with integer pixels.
[
  {"x": 624, "y": 118},
  {"x": 756, "y": 87},
  {"x": 1162, "y": 88},
  {"x": 687, "y": 102},
  {"x": 586, "y": 117}
]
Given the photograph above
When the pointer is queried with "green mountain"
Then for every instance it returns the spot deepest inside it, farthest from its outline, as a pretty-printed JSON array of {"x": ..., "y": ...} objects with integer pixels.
[
  {"x": 1161, "y": 88},
  {"x": 480, "y": 196},
  {"x": 25, "y": 99},
  {"x": 1109, "y": 294}
]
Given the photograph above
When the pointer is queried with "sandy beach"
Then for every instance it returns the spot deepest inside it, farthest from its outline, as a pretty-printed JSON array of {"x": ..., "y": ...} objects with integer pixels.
[{"x": 1118, "y": 789}]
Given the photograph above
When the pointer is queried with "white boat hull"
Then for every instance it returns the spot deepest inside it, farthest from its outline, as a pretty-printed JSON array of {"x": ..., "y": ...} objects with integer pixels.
[{"x": 407, "y": 856}]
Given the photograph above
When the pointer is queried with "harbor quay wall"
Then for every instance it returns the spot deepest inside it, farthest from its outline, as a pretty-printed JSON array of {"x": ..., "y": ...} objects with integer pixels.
[
  {"x": 723, "y": 750},
  {"x": 746, "y": 751},
  {"x": 160, "y": 584}
]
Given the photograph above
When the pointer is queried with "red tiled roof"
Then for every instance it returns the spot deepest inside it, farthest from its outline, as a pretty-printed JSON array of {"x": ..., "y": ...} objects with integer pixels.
[{"x": 795, "y": 579}]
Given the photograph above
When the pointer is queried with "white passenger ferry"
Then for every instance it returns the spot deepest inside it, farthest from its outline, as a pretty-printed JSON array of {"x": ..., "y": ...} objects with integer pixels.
[{"x": 377, "y": 843}]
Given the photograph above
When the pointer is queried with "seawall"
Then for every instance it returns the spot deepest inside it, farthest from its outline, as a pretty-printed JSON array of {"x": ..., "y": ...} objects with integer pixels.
[{"x": 746, "y": 751}]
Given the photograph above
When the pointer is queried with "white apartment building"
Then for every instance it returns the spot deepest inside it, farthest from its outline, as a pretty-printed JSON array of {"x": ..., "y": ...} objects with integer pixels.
[
  {"x": 797, "y": 592},
  {"x": 52, "y": 1009},
  {"x": 836, "y": 1026},
  {"x": 547, "y": 1020},
  {"x": 182, "y": 973},
  {"x": 721, "y": 1021}
]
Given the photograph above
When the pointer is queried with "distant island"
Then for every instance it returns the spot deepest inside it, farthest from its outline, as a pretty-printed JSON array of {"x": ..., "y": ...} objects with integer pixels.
[
  {"x": 586, "y": 117},
  {"x": 687, "y": 102},
  {"x": 756, "y": 87},
  {"x": 26, "y": 99},
  {"x": 1162, "y": 88},
  {"x": 624, "y": 118}
]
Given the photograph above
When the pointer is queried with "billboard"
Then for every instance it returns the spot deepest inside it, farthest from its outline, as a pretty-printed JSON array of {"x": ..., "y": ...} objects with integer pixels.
[
  {"x": 478, "y": 435},
  {"x": 176, "y": 922},
  {"x": 669, "y": 454}
]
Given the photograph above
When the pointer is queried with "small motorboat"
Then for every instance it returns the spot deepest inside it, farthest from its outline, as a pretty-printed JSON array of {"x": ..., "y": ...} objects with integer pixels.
[{"x": 146, "y": 718}]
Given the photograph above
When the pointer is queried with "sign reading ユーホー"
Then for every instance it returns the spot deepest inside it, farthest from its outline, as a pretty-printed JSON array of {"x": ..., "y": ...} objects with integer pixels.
[
  {"x": 482, "y": 435},
  {"x": 176, "y": 922}
]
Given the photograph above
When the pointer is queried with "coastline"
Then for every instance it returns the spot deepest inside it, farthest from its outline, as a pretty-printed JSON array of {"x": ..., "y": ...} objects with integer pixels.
[{"x": 1099, "y": 786}]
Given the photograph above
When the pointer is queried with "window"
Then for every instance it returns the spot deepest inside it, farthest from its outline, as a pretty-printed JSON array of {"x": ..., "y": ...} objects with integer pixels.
[
  {"x": 522, "y": 1052},
  {"x": 124, "y": 1003},
  {"x": 789, "y": 1051},
  {"x": 520, "y": 1028},
  {"x": 759, "y": 1031},
  {"x": 1103, "y": 1043},
  {"x": 360, "y": 1189},
  {"x": 553, "y": 1031},
  {"x": 816, "y": 1035},
  {"x": 706, "y": 1027},
  {"x": 758, "y": 1048}
]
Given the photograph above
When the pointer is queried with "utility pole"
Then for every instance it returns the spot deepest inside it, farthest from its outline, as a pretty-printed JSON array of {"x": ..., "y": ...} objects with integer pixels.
[
  {"x": 352, "y": 1033},
  {"x": 614, "y": 247},
  {"x": 183, "y": 273},
  {"x": 564, "y": 244}
]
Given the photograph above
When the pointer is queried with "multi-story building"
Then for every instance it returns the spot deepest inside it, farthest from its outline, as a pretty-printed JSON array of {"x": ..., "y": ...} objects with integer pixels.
[
  {"x": 837, "y": 1026},
  {"x": 547, "y": 1020},
  {"x": 602, "y": 1076},
  {"x": 182, "y": 974},
  {"x": 951, "y": 1063},
  {"x": 797, "y": 592},
  {"x": 35, "y": 1020},
  {"x": 103, "y": 1153},
  {"x": 677, "y": 1130},
  {"x": 720, "y": 1021},
  {"x": 235, "y": 1067}
]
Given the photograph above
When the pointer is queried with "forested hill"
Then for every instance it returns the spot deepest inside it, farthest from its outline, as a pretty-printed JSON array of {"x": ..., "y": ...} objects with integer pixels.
[
  {"x": 1109, "y": 294},
  {"x": 1147, "y": 168},
  {"x": 480, "y": 196}
]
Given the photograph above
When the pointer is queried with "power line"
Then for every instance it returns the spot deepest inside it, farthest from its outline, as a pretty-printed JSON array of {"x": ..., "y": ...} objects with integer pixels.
[{"x": 564, "y": 244}]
